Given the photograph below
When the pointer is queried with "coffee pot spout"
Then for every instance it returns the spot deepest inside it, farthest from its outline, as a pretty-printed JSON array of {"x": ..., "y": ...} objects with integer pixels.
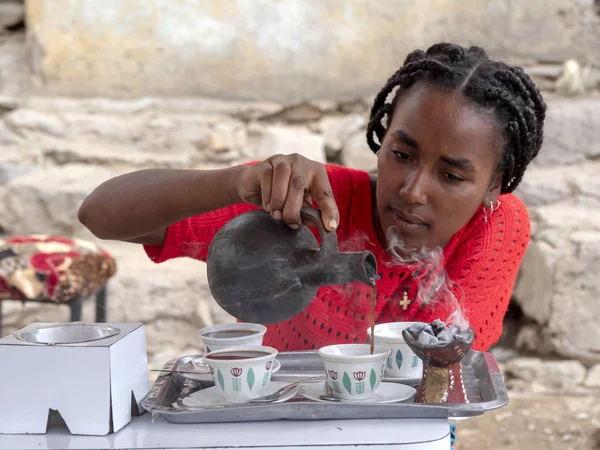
[{"x": 341, "y": 268}]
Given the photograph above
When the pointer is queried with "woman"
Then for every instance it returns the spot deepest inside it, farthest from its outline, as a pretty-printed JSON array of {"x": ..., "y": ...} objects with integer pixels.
[{"x": 451, "y": 145}]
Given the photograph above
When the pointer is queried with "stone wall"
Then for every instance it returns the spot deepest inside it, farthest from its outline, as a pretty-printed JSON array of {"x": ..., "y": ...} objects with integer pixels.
[
  {"x": 56, "y": 149},
  {"x": 285, "y": 50}
]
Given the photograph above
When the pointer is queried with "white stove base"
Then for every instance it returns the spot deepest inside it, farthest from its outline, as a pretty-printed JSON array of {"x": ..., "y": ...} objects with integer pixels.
[{"x": 144, "y": 433}]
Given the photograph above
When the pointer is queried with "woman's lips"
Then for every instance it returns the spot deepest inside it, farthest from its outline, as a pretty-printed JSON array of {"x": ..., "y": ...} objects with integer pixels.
[{"x": 408, "y": 222}]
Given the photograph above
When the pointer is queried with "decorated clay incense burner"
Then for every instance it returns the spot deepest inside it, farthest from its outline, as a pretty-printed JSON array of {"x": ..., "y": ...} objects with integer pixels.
[{"x": 442, "y": 349}]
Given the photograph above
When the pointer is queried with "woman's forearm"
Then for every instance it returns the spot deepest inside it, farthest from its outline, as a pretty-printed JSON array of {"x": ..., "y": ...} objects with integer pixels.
[{"x": 141, "y": 203}]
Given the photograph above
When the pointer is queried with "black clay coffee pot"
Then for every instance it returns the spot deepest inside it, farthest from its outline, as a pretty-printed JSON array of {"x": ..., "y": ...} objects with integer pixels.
[{"x": 262, "y": 271}]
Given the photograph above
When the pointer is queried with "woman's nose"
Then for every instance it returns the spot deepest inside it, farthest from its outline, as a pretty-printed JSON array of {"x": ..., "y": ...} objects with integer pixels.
[{"x": 414, "y": 190}]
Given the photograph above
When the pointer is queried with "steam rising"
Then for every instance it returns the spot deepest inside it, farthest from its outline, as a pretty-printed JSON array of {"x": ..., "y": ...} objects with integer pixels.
[{"x": 429, "y": 273}]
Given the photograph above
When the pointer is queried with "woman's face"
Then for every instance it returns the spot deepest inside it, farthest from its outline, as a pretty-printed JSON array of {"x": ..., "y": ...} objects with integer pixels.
[{"x": 436, "y": 166}]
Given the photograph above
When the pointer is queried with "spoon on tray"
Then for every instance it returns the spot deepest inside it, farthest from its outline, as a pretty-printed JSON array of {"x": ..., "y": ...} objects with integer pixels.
[{"x": 285, "y": 391}]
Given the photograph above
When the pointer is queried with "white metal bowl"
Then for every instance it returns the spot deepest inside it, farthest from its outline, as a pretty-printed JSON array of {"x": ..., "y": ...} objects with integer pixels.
[{"x": 67, "y": 333}]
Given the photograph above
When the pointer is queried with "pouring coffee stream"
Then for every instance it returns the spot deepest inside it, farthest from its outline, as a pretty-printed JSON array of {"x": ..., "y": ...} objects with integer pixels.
[{"x": 260, "y": 270}]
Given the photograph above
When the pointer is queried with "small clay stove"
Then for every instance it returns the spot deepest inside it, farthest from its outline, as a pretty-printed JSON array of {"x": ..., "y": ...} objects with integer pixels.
[{"x": 442, "y": 349}]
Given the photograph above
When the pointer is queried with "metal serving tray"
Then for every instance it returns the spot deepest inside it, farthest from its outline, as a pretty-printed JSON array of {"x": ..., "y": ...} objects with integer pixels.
[{"x": 483, "y": 382}]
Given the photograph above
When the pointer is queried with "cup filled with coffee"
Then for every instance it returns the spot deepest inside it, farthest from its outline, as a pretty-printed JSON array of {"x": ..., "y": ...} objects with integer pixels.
[
  {"x": 402, "y": 362},
  {"x": 353, "y": 372},
  {"x": 226, "y": 335},
  {"x": 242, "y": 373}
]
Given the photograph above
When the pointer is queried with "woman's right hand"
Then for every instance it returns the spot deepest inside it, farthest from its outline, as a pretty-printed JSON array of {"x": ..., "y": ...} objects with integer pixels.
[{"x": 283, "y": 184}]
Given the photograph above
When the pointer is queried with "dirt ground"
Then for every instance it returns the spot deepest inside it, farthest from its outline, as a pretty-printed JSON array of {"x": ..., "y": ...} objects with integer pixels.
[{"x": 531, "y": 421}]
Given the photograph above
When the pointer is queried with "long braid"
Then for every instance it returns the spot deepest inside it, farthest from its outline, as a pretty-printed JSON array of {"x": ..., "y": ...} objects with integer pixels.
[{"x": 516, "y": 102}]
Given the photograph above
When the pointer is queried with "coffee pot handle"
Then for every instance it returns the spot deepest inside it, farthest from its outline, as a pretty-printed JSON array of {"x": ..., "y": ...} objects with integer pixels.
[{"x": 329, "y": 242}]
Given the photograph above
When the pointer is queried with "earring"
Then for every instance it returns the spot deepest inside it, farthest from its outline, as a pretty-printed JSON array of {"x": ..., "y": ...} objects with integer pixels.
[{"x": 491, "y": 210}]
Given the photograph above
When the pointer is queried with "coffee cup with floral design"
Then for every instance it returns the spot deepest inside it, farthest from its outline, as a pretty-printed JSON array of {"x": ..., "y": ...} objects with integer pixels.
[
  {"x": 402, "y": 362},
  {"x": 353, "y": 373},
  {"x": 242, "y": 373}
]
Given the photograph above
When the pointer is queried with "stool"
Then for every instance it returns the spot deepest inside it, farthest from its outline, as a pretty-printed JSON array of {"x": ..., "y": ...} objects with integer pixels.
[{"x": 54, "y": 269}]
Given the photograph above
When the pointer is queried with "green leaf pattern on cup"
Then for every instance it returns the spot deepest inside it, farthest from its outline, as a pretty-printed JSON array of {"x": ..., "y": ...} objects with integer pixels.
[
  {"x": 388, "y": 362},
  {"x": 221, "y": 379},
  {"x": 372, "y": 379},
  {"x": 347, "y": 383},
  {"x": 415, "y": 361},
  {"x": 399, "y": 359},
  {"x": 250, "y": 379}
]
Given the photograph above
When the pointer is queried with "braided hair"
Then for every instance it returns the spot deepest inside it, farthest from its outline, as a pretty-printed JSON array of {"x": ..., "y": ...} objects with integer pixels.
[{"x": 508, "y": 92}]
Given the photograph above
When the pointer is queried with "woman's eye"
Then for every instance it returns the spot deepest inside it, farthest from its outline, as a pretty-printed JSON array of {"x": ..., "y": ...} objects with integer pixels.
[
  {"x": 402, "y": 155},
  {"x": 453, "y": 178}
]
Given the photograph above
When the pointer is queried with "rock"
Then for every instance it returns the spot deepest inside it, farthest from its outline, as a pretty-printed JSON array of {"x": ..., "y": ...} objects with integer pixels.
[
  {"x": 121, "y": 157},
  {"x": 325, "y": 106},
  {"x": 532, "y": 339},
  {"x": 570, "y": 81},
  {"x": 571, "y": 133},
  {"x": 504, "y": 354},
  {"x": 573, "y": 325},
  {"x": 111, "y": 128},
  {"x": 7, "y": 136},
  {"x": 15, "y": 66},
  {"x": 549, "y": 70},
  {"x": 533, "y": 288},
  {"x": 8, "y": 104},
  {"x": 227, "y": 141},
  {"x": 558, "y": 374},
  {"x": 197, "y": 133},
  {"x": 587, "y": 182},
  {"x": 337, "y": 130},
  {"x": 8, "y": 171},
  {"x": 25, "y": 120},
  {"x": 357, "y": 154},
  {"x": 11, "y": 13},
  {"x": 163, "y": 122},
  {"x": 287, "y": 140},
  {"x": 568, "y": 216},
  {"x": 47, "y": 201},
  {"x": 593, "y": 377},
  {"x": 546, "y": 186},
  {"x": 356, "y": 106},
  {"x": 303, "y": 112}
]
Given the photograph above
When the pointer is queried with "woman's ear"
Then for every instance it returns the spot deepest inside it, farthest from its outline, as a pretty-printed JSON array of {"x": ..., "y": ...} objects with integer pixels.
[{"x": 493, "y": 192}]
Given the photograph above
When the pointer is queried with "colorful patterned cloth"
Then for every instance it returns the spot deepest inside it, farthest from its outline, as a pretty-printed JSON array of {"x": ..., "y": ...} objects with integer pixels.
[{"x": 52, "y": 268}]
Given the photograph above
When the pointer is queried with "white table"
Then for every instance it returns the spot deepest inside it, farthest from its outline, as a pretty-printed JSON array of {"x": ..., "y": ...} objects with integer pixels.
[{"x": 145, "y": 433}]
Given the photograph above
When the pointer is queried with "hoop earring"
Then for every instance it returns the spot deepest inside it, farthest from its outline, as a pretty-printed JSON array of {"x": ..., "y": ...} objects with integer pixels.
[{"x": 491, "y": 210}]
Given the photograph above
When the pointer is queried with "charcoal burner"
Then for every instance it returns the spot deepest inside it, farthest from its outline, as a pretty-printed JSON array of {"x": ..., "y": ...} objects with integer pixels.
[{"x": 442, "y": 349}]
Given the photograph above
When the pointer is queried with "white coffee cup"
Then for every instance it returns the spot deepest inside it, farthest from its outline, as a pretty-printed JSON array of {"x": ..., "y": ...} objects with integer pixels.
[
  {"x": 353, "y": 373},
  {"x": 227, "y": 335},
  {"x": 402, "y": 362},
  {"x": 242, "y": 373}
]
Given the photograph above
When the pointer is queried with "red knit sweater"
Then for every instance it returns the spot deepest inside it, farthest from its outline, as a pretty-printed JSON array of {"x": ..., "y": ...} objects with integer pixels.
[{"x": 481, "y": 259}]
